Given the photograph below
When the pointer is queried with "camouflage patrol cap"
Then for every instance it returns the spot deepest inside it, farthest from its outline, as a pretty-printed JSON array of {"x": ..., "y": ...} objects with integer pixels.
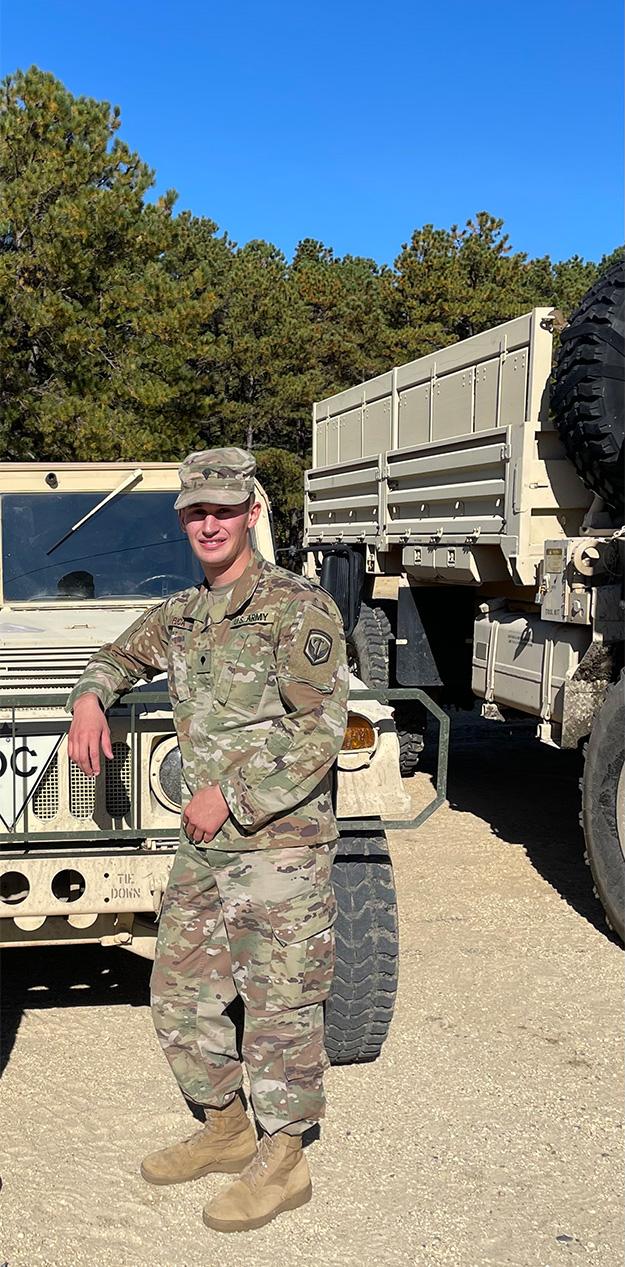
[{"x": 224, "y": 476}]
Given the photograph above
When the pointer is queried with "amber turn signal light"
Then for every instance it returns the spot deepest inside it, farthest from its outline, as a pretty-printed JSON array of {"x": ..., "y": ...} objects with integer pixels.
[{"x": 359, "y": 733}]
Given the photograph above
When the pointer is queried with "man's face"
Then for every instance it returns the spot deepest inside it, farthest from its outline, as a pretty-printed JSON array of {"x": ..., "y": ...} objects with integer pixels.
[{"x": 218, "y": 534}]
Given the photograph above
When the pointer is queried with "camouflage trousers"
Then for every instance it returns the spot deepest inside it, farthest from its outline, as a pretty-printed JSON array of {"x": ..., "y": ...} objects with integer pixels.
[{"x": 257, "y": 924}]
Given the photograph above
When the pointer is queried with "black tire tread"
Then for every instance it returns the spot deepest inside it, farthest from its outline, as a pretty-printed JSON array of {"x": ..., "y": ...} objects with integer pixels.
[
  {"x": 360, "y": 1007},
  {"x": 586, "y": 403},
  {"x": 598, "y": 786},
  {"x": 369, "y": 647}
]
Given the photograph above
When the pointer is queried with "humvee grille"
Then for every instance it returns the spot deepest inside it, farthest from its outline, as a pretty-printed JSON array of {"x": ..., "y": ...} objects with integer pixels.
[
  {"x": 46, "y": 798},
  {"x": 32, "y": 669},
  {"x": 117, "y": 781},
  {"x": 81, "y": 793}
]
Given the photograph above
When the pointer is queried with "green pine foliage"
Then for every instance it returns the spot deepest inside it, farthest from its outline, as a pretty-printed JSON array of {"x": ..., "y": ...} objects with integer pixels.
[
  {"x": 104, "y": 319},
  {"x": 128, "y": 331}
]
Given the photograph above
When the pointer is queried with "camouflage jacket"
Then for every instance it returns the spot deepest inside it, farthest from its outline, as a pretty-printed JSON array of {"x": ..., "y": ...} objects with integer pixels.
[{"x": 259, "y": 694}]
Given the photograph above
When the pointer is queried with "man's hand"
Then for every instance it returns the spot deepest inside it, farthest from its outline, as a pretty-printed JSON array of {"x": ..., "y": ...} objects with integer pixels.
[
  {"x": 206, "y": 812},
  {"x": 88, "y": 732}
]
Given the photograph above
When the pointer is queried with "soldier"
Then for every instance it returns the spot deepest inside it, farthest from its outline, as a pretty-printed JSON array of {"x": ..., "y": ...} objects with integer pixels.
[{"x": 258, "y": 681}]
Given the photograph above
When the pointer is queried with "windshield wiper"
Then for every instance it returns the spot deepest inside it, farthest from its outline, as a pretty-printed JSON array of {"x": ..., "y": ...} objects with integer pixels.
[{"x": 130, "y": 479}]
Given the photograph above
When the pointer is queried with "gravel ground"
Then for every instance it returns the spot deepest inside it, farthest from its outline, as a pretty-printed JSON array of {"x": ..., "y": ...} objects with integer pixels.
[{"x": 486, "y": 1133}]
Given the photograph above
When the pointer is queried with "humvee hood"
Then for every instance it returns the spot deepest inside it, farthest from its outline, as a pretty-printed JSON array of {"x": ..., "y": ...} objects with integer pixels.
[{"x": 70, "y": 625}]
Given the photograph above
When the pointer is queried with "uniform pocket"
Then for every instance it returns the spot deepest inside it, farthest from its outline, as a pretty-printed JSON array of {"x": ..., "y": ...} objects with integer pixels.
[
  {"x": 244, "y": 668},
  {"x": 303, "y": 950},
  {"x": 305, "y": 1059},
  {"x": 305, "y": 1062},
  {"x": 177, "y": 670}
]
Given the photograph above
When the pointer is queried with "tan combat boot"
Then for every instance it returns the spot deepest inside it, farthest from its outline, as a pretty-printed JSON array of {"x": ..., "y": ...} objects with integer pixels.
[
  {"x": 226, "y": 1145},
  {"x": 278, "y": 1179}
]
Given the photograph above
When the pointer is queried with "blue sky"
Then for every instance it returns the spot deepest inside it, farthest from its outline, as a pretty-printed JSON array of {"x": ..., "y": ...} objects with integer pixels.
[{"x": 355, "y": 122}]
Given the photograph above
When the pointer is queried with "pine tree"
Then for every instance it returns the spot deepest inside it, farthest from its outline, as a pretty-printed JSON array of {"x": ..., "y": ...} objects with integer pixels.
[{"x": 100, "y": 338}]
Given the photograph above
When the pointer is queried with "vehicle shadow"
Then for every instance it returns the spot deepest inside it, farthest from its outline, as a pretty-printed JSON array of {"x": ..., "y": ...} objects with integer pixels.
[
  {"x": 529, "y": 794},
  {"x": 66, "y": 976},
  {"x": 75, "y": 976}
]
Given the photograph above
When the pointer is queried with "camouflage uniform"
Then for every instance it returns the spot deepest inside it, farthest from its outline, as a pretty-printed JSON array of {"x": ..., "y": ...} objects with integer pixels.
[
  {"x": 258, "y": 684},
  {"x": 257, "y": 924}
]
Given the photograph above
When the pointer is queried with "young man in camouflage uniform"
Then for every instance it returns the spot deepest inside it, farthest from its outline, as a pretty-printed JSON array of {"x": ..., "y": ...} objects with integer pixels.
[{"x": 258, "y": 682}]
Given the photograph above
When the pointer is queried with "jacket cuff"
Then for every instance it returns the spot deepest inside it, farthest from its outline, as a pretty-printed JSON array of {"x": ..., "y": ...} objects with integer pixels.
[
  {"x": 243, "y": 807},
  {"x": 105, "y": 697}
]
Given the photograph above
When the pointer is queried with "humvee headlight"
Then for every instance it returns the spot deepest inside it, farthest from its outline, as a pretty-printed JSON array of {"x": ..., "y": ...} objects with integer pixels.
[
  {"x": 166, "y": 774},
  {"x": 359, "y": 733}
]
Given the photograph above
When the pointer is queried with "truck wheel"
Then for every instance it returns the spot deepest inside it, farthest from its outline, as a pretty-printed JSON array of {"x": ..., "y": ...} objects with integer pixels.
[
  {"x": 360, "y": 1006},
  {"x": 368, "y": 647},
  {"x": 368, "y": 656},
  {"x": 588, "y": 394},
  {"x": 603, "y": 805},
  {"x": 411, "y": 741}
]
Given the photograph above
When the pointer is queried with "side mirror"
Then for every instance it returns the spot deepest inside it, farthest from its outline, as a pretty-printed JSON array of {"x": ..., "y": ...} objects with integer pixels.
[{"x": 342, "y": 576}]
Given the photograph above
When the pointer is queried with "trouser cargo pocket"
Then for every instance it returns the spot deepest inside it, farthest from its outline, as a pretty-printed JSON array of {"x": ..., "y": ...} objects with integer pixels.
[{"x": 303, "y": 951}]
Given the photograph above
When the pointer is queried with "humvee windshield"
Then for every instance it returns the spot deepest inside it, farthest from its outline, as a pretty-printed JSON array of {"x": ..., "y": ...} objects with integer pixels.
[{"x": 132, "y": 548}]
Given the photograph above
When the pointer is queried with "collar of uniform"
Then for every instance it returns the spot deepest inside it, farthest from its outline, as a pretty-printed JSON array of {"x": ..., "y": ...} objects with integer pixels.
[
  {"x": 246, "y": 584},
  {"x": 196, "y": 605}
]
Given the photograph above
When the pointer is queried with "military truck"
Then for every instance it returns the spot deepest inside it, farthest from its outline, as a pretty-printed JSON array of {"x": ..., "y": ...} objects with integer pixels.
[
  {"x": 470, "y": 505},
  {"x": 84, "y": 550}
]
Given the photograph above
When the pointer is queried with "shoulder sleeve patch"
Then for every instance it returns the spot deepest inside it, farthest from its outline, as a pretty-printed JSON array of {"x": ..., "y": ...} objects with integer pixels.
[
  {"x": 311, "y": 647},
  {"x": 318, "y": 646}
]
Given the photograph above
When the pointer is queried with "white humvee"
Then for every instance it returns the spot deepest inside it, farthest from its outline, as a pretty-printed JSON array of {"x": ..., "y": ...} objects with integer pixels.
[{"x": 84, "y": 549}]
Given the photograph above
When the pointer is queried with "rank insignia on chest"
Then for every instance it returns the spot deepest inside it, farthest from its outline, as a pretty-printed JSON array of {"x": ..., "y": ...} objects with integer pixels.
[{"x": 318, "y": 647}]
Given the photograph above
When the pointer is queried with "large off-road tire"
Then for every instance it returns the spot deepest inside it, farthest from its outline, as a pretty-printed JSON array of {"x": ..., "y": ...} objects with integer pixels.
[
  {"x": 588, "y": 395},
  {"x": 368, "y": 653},
  {"x": 603, "y": 805},
  {"x": 410, "y": 724},
  {"x": 368, "y": 647},
  {"x": 360, "y": 1007}
]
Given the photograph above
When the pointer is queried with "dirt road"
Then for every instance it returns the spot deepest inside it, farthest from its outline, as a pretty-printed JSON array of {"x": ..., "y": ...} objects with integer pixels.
[{"x": 487, "y": 1132}]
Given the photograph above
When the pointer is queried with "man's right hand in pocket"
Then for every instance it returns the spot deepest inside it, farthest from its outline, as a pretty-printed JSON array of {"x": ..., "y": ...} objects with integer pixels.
[{"x": 88, "y": 733}]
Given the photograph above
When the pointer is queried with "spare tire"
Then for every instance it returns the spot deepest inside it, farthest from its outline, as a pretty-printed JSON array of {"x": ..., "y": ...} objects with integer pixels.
[{"x": 588, "y": 398}]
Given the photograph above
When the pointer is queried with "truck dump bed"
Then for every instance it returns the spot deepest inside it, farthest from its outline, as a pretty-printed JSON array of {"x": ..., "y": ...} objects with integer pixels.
[{"x": 450, "y": 460}]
